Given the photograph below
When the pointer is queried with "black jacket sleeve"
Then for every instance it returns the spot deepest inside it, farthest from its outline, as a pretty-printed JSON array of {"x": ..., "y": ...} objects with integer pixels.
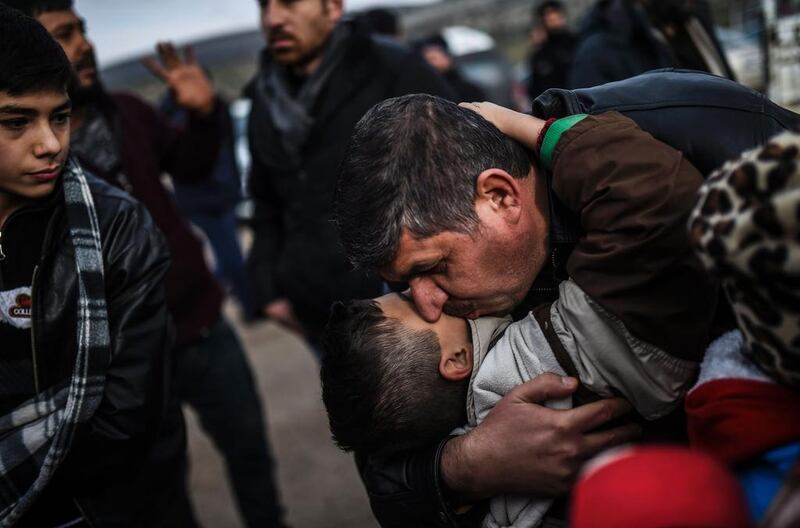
[
  {"x": 404, "y": 490},
  {"x": 267, "y": 224},
  {"x": 112, "y": 447}
]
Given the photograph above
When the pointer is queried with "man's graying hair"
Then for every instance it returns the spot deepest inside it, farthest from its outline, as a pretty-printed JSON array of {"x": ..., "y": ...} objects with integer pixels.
[{"x": 413, "y": 162}]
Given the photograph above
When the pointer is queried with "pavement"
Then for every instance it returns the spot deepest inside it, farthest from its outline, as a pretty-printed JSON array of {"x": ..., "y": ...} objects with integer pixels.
[{"x": 319, "y": 483}]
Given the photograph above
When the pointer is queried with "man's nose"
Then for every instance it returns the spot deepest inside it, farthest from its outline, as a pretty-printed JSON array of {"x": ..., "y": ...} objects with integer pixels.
[
  {"x": 85, "y": 45},
  {"x": 272, "y": 16},
  {"x": 428, "y": 297}
]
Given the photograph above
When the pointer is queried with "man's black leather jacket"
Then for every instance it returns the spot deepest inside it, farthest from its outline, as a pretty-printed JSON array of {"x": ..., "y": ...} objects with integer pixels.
[
  {"x": 708, "y": 118},
  {"x": 102, "y": 474}
]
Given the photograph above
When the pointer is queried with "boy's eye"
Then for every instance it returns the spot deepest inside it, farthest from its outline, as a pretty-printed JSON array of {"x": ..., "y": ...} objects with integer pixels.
[
  {"x": 14, "y": 124},
  {"x": 62, "y": 118}
]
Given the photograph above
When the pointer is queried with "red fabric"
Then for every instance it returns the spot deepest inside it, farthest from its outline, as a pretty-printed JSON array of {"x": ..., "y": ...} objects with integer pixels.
[
  {"x": 736, "y": 419},
  {"x": 659, "y": 487}
]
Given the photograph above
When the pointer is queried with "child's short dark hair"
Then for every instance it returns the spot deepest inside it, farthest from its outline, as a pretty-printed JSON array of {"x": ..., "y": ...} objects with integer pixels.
[
  {"x": 381, "y": 383},
  {"x": 30, "y": 60}
]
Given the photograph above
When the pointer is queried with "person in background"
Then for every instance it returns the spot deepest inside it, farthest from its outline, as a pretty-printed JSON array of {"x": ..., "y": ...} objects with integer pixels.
[
  {"x": 84, "y": 331},
  {"x": 436, "y": 52},
  {"x": 382, "y": 21},
  {"x": 623, "y": 38},
  {"x": 551, "y": 59},
  {"x": 318, "y": 75},
  {"x": 122, "y": 139},
  {"x": 211, "y": 205}
]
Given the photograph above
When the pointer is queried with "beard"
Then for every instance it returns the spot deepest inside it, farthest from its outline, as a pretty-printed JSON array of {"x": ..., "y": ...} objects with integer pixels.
[{"x": 82, "y": 96}]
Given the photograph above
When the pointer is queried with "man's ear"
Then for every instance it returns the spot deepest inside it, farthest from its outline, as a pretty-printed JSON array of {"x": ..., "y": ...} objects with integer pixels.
[
  {"x": 456, "y": 364},
  {"x": 500, "y": 193},
  {"x": 335, "y": 9}
]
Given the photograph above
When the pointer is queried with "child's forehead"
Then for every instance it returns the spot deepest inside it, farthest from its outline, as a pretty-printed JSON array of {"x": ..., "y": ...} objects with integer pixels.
[
  {"x": 399, "y": 306},
  {"x": 33, "y": 102}
]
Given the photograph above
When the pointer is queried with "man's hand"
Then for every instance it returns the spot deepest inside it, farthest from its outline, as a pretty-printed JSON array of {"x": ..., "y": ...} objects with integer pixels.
[
  {"x": 523, "y": 448},
  {"x": 520, "y": 127},
  {"x": 185, "y": 78},
  {"x": 282, "y": 312}
]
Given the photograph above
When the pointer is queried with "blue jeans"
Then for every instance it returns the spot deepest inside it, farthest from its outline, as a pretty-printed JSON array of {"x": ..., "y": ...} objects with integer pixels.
[
  {"x": 221, "y": 232},
  {"x": 214, "y": 378}
]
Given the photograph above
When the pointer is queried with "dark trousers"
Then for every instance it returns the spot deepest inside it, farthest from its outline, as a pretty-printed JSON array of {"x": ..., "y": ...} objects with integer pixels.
[{"x": 214, "y": 378}]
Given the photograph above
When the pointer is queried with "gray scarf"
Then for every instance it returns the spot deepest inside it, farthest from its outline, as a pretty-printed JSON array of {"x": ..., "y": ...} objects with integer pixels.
[{"x": 291, "y": 114}]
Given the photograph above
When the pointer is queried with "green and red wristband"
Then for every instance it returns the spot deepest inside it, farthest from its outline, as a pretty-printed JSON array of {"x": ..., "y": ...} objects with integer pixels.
[{"x": 551, "y": 134}]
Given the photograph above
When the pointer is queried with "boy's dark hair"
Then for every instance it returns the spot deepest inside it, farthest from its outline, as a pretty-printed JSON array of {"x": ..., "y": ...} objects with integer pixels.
[
  {"x": 381, "y": 383},
  {"x": 30, "y": 60},
  {"x": 34, "y": 8}
]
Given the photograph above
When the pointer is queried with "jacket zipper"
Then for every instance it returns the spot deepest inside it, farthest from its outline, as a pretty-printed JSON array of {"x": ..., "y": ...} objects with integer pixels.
[
  {"x": 83, "y": 513},
  {"x": 33, "y": 330},
  {"x": 48, "y": 234},
  {"x": 2, "y": 255}
]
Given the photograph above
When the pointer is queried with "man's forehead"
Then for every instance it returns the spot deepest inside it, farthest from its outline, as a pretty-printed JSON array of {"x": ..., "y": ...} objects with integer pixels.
[
  {"x": 53, "y": 20},
  {"x": 411, "y": 252}
]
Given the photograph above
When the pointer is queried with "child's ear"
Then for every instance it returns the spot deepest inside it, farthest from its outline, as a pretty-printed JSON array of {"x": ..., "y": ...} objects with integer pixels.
[{"x": 456, "y": 364}]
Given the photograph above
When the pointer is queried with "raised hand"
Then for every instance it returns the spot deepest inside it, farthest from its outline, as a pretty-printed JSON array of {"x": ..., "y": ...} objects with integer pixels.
[{"x": 189, "y": 85}]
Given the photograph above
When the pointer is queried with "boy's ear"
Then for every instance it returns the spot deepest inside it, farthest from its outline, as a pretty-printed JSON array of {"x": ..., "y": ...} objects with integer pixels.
[{"x": 456, "y": 364}]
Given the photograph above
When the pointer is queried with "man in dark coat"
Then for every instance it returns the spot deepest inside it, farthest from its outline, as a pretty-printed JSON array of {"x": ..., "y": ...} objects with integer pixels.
[
  {"x": 318, "y": 76},
  {"x": 551, "y": 61},
  {"x": 623, "y": 38}
]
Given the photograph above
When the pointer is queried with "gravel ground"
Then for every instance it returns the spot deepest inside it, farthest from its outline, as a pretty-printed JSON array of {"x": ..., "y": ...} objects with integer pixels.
[{"x": 319, "y": 484}]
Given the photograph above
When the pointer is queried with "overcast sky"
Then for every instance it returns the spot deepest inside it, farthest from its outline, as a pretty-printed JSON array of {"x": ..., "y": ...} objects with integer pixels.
[{"x": 124, "y": 28}]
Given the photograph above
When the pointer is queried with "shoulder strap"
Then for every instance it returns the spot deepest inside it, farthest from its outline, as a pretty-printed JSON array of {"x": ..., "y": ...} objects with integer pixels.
[{"x": 542, "y": 315}]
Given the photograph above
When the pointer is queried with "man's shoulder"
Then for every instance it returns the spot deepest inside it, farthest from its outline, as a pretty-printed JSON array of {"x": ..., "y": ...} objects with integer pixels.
[{"x": 131, "y": 106}]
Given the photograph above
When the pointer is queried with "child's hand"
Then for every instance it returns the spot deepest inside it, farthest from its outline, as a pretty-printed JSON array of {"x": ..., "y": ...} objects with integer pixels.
[
  {"x": 519, "y": 127},
  {"x": 495, "y": 114}
]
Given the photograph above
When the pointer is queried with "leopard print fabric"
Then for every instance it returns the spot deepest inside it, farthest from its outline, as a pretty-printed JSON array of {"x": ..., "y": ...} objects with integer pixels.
[{"x": 746, "y": 229}]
